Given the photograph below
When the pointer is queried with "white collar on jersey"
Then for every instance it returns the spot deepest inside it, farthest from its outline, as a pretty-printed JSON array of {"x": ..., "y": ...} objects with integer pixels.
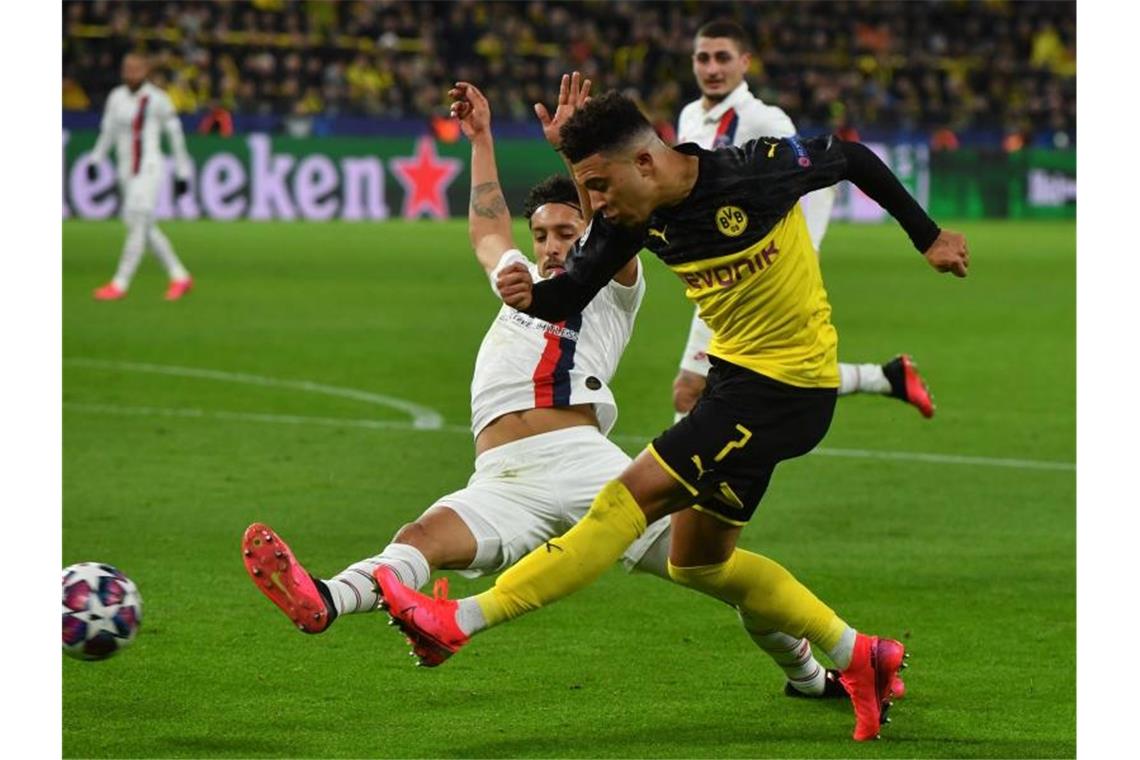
[{"x": 740, "y": 95}]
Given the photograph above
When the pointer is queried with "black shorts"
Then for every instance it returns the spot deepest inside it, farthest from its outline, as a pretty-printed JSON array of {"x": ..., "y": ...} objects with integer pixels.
[{"x": 725, "y": 449}]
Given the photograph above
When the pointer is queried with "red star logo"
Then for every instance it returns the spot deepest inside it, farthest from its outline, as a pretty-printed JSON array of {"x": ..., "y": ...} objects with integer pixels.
[{"x": 425, "y": 177}]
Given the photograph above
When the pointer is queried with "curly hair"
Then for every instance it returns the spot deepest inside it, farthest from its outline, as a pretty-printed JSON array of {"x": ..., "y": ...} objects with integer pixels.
[
  {"x": 557, "y": 188},
  {"x": 604, "y": 123}
]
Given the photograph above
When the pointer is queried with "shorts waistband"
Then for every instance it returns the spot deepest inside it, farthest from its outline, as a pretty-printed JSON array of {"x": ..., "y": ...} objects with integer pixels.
[{"x": 562, "y": 436}]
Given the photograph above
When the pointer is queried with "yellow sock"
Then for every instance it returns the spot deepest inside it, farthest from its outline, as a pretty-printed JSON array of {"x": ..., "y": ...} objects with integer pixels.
[
  {"x": 768, "y": 597},
  {"x": 570, "y": 562}
]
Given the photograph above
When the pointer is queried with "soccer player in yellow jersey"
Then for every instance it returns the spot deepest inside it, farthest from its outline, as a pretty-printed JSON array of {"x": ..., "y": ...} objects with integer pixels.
[{"x": 729, "y": 225}]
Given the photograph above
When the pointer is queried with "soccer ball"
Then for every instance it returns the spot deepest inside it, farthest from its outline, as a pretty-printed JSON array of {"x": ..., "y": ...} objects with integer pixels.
[{"x": 102, "y": 610}]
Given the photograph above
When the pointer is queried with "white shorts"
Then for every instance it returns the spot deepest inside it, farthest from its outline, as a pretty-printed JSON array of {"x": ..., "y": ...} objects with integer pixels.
[
  {"x": 528, "y": 491},
  {"x": 140, "y": 191}
]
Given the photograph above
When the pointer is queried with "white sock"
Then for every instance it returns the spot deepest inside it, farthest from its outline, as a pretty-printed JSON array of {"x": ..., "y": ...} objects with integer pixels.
[
  {"x": 354, "y": 590},
  {"x": 469, "y": 616},
  {"x": 162, "y": 248},
  {"x": 794, "y": 657},
  {"x": 133, "y": 249},
  {"x": 841, "y": 654},
  {"x": 862, "y": 378}
]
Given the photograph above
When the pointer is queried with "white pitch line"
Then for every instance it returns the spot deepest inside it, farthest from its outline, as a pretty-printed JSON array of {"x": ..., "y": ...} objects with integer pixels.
[
  {"x": 423, "y": 418},
  {"x": 282, "y": 419},
  {"x": 279, "y": 419}
]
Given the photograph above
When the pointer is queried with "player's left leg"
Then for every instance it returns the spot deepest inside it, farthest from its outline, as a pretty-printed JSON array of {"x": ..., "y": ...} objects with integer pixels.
[
  {"x": 898, "y": 378},
  {"x": 180, "y": 280},
  {"x": 439, "y": 538},
  {"x": 792, "y": 654}
]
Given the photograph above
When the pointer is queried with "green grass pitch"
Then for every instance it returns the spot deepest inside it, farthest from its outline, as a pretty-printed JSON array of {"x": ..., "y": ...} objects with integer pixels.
[{"x": 973, "y": 562}]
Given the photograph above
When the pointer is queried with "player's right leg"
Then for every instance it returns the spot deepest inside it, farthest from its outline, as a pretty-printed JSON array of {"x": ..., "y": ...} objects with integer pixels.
[
  {"x": 806, "y": 677},
  {"x": 137, "y": 221},
  {"x": 480, "y": 529},
  {"x": 704, "y": 556}
]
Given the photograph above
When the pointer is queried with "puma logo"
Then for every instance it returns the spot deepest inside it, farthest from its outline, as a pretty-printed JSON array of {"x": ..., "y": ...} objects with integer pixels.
[
  {"x": 276, "y": 579},
  {"x": 659, "y": 233}
]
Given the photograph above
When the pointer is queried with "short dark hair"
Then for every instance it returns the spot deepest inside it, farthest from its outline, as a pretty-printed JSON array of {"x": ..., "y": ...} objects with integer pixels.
[
  {"x": 726, "y": 27},
  {"x": 557, "y": 188},
  {"x": 606, "y": 122}
]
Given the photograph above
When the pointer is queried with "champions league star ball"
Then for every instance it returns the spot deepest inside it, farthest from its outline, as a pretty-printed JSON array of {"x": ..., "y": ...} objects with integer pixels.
[{"x": 102, "y": 610}]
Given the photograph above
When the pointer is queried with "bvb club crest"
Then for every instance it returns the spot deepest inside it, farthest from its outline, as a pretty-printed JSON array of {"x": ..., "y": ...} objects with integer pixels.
[{"x": 731, "y": 220}]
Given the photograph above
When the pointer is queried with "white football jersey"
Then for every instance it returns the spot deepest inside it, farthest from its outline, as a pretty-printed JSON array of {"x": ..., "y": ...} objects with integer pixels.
[
  {"x": 738, "y": 118},
  {"x": 132, "y": 124},
  {"x": 528, "y": 363}
]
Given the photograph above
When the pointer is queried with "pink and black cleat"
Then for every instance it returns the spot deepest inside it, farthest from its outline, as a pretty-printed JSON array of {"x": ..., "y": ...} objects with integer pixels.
[
  {"x": 278, "y": 575},
  {"x": 907, "y": 385},
  {"x": 109, "y": 292},
  {"x": 427, "y": 622},
  {"x": 871, "y": 680},
  {"x": 178, "y": 288}
]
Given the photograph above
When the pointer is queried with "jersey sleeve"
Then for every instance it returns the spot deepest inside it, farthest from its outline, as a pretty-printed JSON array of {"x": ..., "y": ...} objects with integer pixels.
[
  {"x": 168, "y": 117},
  {"x": 106, "y": 131},
  {"x": 789, "y": 168},
  {"x": 628, "y": 297},
  {"x": 599, "y": 254},
  {"x": 761, "y": 120}
]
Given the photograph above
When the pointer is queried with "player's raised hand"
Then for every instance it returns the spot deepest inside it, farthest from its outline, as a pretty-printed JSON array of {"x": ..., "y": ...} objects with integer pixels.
[
  {"x": 471, "y": 108},
  {"x": 572, "y": 94},
  {"x": 515, "y": 285},
  {"x": 949, "y": 253}
]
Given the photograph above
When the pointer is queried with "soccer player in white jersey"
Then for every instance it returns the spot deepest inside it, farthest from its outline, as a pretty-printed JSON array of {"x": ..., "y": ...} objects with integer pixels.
[
  {"x": 727, "y": 113},
  {"x": 136, "y": 114},
  {"x": 541, "y": 407}
]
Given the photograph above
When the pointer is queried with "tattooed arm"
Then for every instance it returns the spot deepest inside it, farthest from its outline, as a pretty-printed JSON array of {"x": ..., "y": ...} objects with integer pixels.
[{"x": 488, "y": 219}]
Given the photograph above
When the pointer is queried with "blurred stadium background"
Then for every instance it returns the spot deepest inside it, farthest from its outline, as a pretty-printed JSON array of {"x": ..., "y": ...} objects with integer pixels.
[
  {"x": 185, "y": 422},
  {"x": 974, "y": 103}
]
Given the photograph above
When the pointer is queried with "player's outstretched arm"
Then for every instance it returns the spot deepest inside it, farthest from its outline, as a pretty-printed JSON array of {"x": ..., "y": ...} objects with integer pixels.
[
  {"x": 944, "y": 250},
  {"x": 488, "y": 219},
  {"x": 573, "y": 92}
]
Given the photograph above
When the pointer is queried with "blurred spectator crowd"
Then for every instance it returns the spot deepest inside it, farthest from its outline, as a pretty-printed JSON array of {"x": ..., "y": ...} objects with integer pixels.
[{"x": 931, "y": 65}]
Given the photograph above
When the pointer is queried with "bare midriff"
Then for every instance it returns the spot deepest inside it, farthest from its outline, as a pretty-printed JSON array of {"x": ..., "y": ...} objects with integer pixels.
[{"x": 514, "y": 426}]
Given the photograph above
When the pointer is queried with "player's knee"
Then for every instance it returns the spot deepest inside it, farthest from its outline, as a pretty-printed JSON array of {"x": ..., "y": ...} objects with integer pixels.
[
  {"x": 702, "y": 578},
  {"x": 415, "y": 535},
  {"x": 687, "y": 388}
]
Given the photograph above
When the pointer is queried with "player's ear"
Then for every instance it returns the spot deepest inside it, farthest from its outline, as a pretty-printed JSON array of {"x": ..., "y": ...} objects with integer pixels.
[
  {"x": 643, "y": 162},
  {"x": 746, "y": 59}
]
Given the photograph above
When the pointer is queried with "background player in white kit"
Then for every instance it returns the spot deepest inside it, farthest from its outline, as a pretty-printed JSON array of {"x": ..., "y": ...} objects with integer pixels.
[
  {"x": 135, "y": 115},
  {"x": 540, "y": 406},
  {"x": 727, "y": 113}
]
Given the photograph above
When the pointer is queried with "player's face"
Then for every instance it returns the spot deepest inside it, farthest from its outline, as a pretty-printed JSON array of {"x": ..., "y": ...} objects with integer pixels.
[
  {"x": 719, "y": 66},
  {"x": 554, "y": 227},
  {"x": 619, "y": 187},
  {"x": 134, "y": 71}
]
